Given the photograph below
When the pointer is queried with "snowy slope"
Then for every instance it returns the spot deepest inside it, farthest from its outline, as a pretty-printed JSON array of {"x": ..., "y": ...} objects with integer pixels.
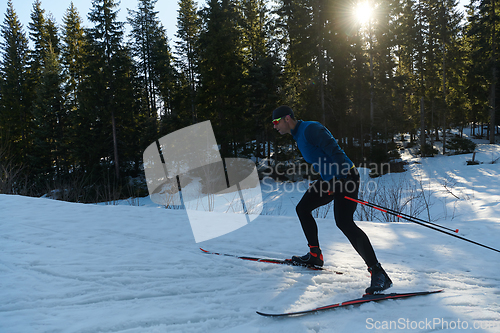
[{"x": 68, "y": 267}]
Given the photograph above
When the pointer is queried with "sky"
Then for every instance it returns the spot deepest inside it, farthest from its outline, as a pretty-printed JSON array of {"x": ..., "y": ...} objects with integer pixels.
[{"x": 167, "y": 11}]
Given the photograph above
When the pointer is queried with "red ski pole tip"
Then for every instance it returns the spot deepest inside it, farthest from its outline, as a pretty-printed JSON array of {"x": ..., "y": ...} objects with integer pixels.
[{"x": 456, "y": 231}]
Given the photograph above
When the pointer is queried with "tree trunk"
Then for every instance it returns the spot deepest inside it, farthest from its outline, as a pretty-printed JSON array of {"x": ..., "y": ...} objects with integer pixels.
[
  {"x": 115, "y": 145},
  {"x": 494, "y": 78}
]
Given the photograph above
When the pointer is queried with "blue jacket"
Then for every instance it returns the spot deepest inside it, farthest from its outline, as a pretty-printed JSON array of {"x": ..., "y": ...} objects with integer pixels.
[{"x": 319, "y": 147}]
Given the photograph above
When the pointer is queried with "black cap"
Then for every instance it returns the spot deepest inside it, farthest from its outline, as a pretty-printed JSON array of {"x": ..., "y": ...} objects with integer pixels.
[{"x": 282, "y": 111}]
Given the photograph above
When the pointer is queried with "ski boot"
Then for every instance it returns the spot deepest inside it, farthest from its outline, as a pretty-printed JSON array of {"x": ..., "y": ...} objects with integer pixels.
[
  {"x": 380, "y": 280},
  {"x": 313, "y": 258}
]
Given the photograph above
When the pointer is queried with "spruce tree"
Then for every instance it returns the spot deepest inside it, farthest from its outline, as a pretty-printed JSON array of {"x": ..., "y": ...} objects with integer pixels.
[
  {"x": 335, "y": 54},
  {"x": 476, "y": 39},
  {"x": 47, "y": 104},
  {"x": 385, "y": 83},
  {"x": 263, "y": 80},
  {"x": 188, "y": 28},
  {"x": 221, "y": 72},
  {"x": 72, "y": 57},
  {"x": 39, "y": 38},
  {"x": 483, "y": 42},
  {"x": 49, "y": 118},
  {"x": 15, "y": 103},
  {"x": 410, "y": 58},
  {"x": 102, "y": 89},
  {"x": 145, "y": 29},
  {"x": 156, "y": 81},
  {"x": 294, "y": 24}
]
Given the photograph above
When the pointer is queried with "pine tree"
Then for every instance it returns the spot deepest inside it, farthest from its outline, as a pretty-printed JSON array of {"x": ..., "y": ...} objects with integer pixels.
[
  {"x": 38, "y": 36},
  {"x": 49, "y": 118},
  {"x": 477, "y": 64},
  {"x": 336, "y": 58},
  {"x": 47, "y": 104},
  {"x": 360, "y": 95},
  {"x": 72, "y": 56},
  {"x": 221, "y": 72},
  {"x": 294, "y": 32},
  {"x": 454, "y": 65},
  {"x": 410, "y": 62},
  {"x": 263, "y": 80},
  {"x": 443, "y": 60},
  {"x": 157, "y": 80},
  {"x": 144, "y": 35},
  {"x": 167, "y": 76},
  {"x": 97, "y": 139},
  {"x": 155, "y": 74},
  {"x": 15, "y": 104},
  {"x": 483, "y": 39},
  {"x": 386, "y": 115},
  {"x": 188, "y": 28}
]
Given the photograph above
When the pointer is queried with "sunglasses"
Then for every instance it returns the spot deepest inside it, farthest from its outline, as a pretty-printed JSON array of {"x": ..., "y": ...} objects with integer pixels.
[{"x": 277, "y": 121}]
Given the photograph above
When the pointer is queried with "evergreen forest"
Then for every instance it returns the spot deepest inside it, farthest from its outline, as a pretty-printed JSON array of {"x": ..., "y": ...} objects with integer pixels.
[{"x": 80, "y": 104}]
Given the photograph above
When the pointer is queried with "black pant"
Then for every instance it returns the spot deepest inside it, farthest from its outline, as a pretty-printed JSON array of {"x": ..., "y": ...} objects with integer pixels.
[{"x": 323, "y": 192}]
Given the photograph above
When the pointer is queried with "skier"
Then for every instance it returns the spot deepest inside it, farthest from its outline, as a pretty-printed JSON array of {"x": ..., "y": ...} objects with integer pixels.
[{"x": 339, "y": 178}]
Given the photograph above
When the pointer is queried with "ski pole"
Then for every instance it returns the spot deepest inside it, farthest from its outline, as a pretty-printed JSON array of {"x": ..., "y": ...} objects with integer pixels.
[
  {"x": 398, "y": 214},
  {"x": 414, "y": 220}
]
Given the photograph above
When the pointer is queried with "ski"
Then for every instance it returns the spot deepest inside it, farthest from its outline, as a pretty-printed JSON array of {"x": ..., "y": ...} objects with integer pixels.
[
  {"x": 365, "y": 299},
  {"x": 273, "y": 261}
]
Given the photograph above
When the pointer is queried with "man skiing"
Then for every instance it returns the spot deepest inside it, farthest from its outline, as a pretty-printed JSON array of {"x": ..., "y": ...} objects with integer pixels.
[{"x": 339, "y": 178}]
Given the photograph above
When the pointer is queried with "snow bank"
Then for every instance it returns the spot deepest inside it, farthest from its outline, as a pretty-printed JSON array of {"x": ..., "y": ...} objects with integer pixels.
[{"x": 68, "y": 267}]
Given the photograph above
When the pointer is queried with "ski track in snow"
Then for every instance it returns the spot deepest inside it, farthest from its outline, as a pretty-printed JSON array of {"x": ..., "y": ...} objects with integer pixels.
[{"x": 68, "y": 267}]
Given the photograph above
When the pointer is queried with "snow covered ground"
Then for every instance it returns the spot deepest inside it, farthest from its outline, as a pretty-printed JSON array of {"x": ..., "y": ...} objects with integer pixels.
[{"x": 67, "y": 267}]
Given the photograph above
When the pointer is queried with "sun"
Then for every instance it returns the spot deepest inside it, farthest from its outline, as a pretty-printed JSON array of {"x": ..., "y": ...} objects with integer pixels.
[{"x": 363, "y": 12}]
